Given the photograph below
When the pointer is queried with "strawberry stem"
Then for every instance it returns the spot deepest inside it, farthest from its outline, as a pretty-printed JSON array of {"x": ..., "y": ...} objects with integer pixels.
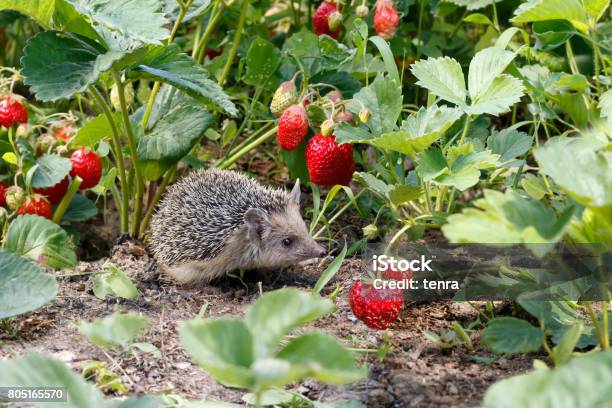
[
  {"x": 124, "y": 207},
  {"x": 234, "y": 49},
  {"x": 135, "y": 227},
  {"x": 232, "y": 159},
  {"x": 63, "y": 205}
]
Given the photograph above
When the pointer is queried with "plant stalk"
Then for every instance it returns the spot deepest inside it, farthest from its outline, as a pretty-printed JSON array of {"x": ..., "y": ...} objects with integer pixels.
[
  {"x": 63, "y": 205},
  {"x": 155, "y": 90},
  {"x": 239, "y": 29},
  {"x": 124, "y": 208},
  {"x": 215, "y": 13},
  {"x": 135, "y": 227},
  {"x": 170, "y": 173},
  {"x": 232, "y": 159}
]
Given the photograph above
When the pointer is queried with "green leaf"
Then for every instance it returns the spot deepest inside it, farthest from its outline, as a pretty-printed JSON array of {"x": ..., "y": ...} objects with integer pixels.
[
  {"x": 385, "y": 52},
  {"x": 383, "y": 98},
  {"x": 164, "y": 145},
  {"x": 596, "y": 8},
  {"x": 172, "y": 9},
  {"x": 485, "y": 67},
  {"x": 303, "y": 46},
  {"x": 334, "y": 53},
  {"x": 509, "y": 143},
  {"x": 552, "y": 34},
  {"x": 41, "y": 240},
  {"x": 138, "y": 21},
  {"x": 473, "y": 4},
  {"x": 95, "y": 130},
  {"x": 542, "y": 10},
  {"x": 80, "y": 209},
  {"x": 118, "y": 330},
  {"x": 533, "y": 186},
  {"x": 23, "y": 286},
  {"x": 499, "y": 97},
  {"x": 564, "y": 158},
  {"x": 277, "y": 312},
  {"x": 321, "y": 357},
  {"x": 37, "y": 370},
  {"x": 460, "y": 171},
  {"x": 222, "y": 347},
  {"x": 51, "y": 170},
  {"x": 113, "y": 281},
  {"x": 506, "y": 218},
  {"x": 605, "y": 104},
  {"x": 509, "y": 335},
  {"x": 262, "y": 60},
  {"x": 478, "y": 18},
  {"x": 39, "y": 10},
  {"x": 443, "y": 77},
  {"x": 585, "y": 381},
  {"x": 57, "y": 65},
  {"x": 273, "y": 396},
  {"x": 402, "y": 193},
  {"x": 346, "y": 133},
  {"x": 330, "y": 271},
  {"x": 420, "y": 130},
  {"x": 166, "y": 64}
]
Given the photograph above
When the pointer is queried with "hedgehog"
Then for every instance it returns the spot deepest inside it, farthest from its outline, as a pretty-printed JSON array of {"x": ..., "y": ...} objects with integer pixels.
[{"x": 215, "y": 221}]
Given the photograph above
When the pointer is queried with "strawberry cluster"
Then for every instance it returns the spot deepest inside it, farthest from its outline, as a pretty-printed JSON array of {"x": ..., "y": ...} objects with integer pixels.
[
  {"x": 328, "y": 162},
  {"x": 86, "y": 164}
]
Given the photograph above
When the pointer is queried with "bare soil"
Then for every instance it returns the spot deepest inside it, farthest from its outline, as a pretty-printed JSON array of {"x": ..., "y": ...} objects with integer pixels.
[{"x": 414, "y": 373}]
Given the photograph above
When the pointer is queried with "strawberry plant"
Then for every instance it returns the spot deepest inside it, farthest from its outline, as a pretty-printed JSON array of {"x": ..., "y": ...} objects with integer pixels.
[{"x": 415, "y": 121}]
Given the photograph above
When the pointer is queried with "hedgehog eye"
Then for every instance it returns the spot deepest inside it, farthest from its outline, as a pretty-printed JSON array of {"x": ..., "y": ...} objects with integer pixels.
[{"x": 287, "y": 242}]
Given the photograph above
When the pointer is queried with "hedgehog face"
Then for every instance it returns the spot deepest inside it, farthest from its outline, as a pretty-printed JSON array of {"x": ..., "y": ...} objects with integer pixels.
[{"x": 282, "y": 237}]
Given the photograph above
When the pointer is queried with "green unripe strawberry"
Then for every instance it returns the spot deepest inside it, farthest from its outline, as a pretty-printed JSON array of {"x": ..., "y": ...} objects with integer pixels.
[
  {"x": 128, "y": 92},
  {"x": 364, "y": 115},
  {"x": 327, "y": 127},
  {"x": 362, "y": 11},
  {"x": 334, "y": 21},
  {"x": 14, "y": 196},
  {"x": 284, "y": 97}
]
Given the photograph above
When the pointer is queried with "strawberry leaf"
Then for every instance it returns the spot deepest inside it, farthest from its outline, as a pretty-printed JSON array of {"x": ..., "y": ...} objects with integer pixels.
[
  {"x": 443, "y": 77},
  {"x": 419, "y": 131},
  {"x": 564, "y": 158},
  {"x": 509, "y": 335},
  {"x": 383, "y": 98},
  {"x": 542, "y": 10},
  {"x": 128, "y": 23},
  {"x": 164, "y": 146},
  {"x": 57, "y": 65},
  {"x": 166, "y": 64},
  {"x": 42, "y": 241},
  {"x": 51, "y": 170},
  {"x": 506, "y": 218},
  {"x": 23, "y": 286}
]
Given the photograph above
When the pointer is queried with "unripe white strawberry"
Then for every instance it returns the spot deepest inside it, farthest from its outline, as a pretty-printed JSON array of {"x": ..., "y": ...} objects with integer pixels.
[
  {"x": 362, "y": 11},
  {"x": 14, "y": 197},
  {"x": 128, "y": 92},
  {"x": 334, "y": 21},
  {"x": 327, "y": 127},
  {"x": 284, "y": 97}
]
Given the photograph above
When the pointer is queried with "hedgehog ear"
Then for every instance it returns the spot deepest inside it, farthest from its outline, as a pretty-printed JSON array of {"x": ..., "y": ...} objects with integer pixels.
[
  {"x": 257, "y": 223},
  {"x": 294, "y": 196}
]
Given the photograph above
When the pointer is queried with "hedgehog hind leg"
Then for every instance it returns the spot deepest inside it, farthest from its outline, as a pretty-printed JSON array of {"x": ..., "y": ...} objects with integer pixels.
[{"x": 192, "y": 272}]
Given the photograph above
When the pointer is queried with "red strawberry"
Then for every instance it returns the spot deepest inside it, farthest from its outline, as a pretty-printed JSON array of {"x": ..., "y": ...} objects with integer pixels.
[
  {"x": 328, "y": 162},
  {"x": 55, "y": 193},
  {"x": 320, "y": 19},
  {"x": 62, "y": 134},
  {"x": 386, "y": 19},
  {"x": 377, "y": 308},
  {"x": 87, "y": 165},
  {"x": 37, "y": 205},
  {"x": 12, "y": 112},
  {"x": 3, "y": 187},
  {"x": 211, "y": 54},
  {"x": 292, "y": 127}
]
